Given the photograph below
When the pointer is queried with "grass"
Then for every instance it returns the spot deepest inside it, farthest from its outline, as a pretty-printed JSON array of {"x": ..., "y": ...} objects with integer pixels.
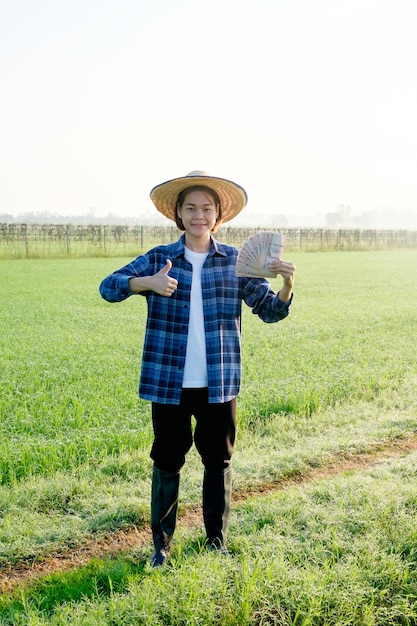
[
  {"x": 337, "y": 551},
  {"x": 338, "y": 376}
]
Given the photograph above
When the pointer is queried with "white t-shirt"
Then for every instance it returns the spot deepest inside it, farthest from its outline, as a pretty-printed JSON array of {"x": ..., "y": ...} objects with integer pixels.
[{"x": 195, "y": 369}]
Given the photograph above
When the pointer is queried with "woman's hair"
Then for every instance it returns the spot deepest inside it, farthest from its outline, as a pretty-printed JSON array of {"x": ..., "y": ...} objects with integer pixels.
[{"x": 213, "y": 194}]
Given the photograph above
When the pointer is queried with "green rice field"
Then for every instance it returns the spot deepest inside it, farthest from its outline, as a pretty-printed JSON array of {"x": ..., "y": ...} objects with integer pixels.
[{"x": 337, "y": 380}]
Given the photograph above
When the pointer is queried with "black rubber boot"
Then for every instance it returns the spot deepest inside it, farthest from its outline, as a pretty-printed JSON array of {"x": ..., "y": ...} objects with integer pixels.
[
  {"x": 217, "y": 493},
  {"x": 164, "y": 505}
]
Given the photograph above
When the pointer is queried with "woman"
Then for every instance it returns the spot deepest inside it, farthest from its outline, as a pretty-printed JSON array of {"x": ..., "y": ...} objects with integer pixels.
[{"x": 191, "y": 359}]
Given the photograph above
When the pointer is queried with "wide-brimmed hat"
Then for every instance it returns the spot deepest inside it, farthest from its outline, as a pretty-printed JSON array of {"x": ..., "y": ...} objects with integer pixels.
[{"x": 233, "y": 197}]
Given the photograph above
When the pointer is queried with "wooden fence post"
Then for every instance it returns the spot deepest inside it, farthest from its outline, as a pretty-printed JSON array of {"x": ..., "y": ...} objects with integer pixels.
[
  {"x": 104, "y": 238},
  {"x": 25, "y": 229},
  {"x": 67, "y": 238}
]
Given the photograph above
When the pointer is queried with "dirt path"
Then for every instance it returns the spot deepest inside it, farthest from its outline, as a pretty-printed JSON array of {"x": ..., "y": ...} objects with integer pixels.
[{"x": 125, "y": 540}]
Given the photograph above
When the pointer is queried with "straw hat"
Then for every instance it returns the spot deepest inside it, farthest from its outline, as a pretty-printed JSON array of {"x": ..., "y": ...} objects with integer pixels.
[{"x": 233, "y": 197}]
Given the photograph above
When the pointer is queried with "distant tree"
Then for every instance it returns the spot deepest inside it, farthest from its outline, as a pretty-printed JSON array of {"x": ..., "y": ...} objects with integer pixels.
[
  {"x": 334, "y": 220},
  {"x": 345, "y": 211},
  {"x": 339, "y": 218},
  {"x": 278, "y": 220}
]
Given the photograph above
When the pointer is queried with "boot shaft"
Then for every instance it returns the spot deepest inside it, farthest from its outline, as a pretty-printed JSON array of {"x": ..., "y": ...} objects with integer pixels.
[
  {"x": 217, "y": 492},
  {"x": 164, "y": 505}
]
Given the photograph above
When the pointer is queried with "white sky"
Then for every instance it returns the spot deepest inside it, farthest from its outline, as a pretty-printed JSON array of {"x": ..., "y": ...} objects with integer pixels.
[{"x": 306, "y": 104}]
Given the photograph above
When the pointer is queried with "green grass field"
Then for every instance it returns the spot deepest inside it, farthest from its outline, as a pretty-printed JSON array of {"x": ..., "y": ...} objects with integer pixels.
[{"x": 337, "y": 378}]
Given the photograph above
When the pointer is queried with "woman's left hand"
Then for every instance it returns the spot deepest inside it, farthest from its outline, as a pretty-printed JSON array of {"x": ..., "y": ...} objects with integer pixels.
[
  {"x": 287, "y": 271},
  {"x": 284, "y": 269}
]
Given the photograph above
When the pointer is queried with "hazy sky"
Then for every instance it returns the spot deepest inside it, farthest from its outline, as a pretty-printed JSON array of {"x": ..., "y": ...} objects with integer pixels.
[{"x": 308, "y": 104}]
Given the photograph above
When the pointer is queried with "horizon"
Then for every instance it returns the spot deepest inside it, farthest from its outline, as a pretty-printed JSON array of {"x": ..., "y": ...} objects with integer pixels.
[{"x": 380, "y": 219}]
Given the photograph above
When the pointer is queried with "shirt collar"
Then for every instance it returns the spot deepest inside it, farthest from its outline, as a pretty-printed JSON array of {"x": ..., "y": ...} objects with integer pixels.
[{"x": 215, "y": 247}]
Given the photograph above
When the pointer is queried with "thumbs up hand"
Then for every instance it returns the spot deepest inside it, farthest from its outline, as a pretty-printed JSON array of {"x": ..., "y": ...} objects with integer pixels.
[{"x": 162, "y": 282}]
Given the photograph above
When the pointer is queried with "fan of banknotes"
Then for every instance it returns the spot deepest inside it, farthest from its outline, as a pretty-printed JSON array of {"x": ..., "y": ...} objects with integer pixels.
[{"x": 257, "y": 252}]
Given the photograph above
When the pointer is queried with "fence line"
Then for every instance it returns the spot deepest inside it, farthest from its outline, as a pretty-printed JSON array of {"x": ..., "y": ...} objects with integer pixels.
[{"x": 63, "y": 240}]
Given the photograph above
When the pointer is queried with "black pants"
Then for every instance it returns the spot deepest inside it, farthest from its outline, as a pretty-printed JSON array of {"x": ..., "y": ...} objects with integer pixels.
[{"x": 214, "y": 433}]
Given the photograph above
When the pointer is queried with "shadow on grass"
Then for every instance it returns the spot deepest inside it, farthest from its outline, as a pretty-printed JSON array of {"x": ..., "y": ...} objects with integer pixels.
[{"x": 99, "y": 579}]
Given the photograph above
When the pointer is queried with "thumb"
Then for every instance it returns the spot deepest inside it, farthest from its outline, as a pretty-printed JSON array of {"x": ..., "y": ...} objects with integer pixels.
[{"x": 167, "y": 267}]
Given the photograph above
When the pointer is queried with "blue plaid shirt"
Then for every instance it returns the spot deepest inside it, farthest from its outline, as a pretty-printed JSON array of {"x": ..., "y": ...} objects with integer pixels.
[{"x": 167, "y": 323}]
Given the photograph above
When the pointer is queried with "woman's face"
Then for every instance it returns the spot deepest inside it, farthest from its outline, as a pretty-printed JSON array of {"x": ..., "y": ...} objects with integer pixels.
[{"x": 198, "y": 213}]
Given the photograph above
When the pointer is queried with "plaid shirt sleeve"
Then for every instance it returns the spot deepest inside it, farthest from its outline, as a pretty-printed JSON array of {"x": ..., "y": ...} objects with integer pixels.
[
  {"x": 165, "y": 343},
  {"x": 115, "y": 288}
]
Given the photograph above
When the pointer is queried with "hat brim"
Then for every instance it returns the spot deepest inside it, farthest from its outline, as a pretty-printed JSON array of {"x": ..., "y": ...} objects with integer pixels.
[{"x": 233, "y": 197}]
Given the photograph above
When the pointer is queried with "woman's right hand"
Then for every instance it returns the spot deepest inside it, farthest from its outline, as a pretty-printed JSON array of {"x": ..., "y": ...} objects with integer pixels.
[{"x": 162, "y": 283}]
